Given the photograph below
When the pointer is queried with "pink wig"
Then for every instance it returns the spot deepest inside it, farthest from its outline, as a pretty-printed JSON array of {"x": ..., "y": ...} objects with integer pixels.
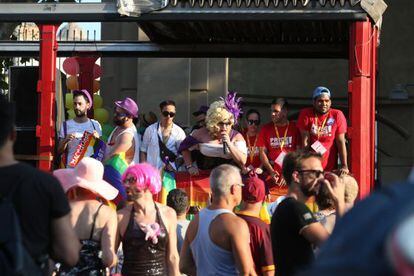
[{"x": 147, "y": 177}]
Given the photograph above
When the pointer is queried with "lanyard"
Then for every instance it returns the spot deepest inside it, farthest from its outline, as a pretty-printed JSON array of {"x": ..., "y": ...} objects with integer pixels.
[
  {"x": 319, "y": 129},
  {"x": 282, "y": 143},
  {"x": 252, "y": 150}
]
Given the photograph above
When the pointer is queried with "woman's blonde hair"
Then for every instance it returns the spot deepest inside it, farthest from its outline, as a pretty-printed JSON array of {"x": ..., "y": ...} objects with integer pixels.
[{"x": 217, "y": 113}]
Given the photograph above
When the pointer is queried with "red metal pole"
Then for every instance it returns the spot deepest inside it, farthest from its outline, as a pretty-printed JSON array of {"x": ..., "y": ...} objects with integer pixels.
[
  {"x": 45, "y": 129},
  {"x": 361, "y": 88},
  {"x": 85, "y": 79}
]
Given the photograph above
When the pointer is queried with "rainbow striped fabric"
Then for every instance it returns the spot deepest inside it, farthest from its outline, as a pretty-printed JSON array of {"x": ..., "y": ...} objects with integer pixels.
[
  {"x": 113, "y": 170},
  {"x": 197, "y": 187},
  {"x": 168, "y": 184}
]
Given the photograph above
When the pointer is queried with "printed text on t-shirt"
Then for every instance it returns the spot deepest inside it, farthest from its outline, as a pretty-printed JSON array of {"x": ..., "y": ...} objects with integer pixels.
[{"x": 276, "y": 142}]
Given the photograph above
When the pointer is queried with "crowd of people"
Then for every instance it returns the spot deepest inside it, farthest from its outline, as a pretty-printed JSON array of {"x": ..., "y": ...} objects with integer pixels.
[{"x": 85, "y": 220}]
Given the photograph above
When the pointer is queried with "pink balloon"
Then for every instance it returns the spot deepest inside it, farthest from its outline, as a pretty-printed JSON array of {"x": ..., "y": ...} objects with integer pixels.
[
  {"x": 97, "y": 71},
  {"x": 71, "y": 66}
]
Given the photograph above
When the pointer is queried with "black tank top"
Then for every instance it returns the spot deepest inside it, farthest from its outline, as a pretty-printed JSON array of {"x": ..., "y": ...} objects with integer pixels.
[
  {"x": 142, "y": 257},
  {"x": 90, "y": 262}
]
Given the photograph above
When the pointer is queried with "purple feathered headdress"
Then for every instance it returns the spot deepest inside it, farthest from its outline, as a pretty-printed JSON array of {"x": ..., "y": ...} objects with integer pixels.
[{"x": 232, "y": 104}]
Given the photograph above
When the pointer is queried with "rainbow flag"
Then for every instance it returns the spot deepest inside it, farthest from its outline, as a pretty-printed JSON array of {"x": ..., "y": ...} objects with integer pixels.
[
  {"x": 113, "y": 170},
  {"x": 168, "y": 184},
  {"x": 88, "y": 143},
  {"x": 264, "y": 213},
  {"x": 197, "y": 187}
]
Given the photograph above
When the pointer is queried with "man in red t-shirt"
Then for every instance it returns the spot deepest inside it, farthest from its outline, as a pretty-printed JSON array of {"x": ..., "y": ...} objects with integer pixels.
[
  {"x": 276, "y": 139},
  {"x": 323, "y": 130}
]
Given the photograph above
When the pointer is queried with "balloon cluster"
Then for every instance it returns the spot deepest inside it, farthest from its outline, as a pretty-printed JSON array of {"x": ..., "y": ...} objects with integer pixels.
[{"x": 71, "y": 67}]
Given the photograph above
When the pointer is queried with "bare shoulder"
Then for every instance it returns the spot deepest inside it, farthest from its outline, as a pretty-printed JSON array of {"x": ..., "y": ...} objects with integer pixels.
[
  {"x": 233, "y": 223},
  {"x": 108, "y": 212},
  {"x": 126, "y": 135},
  {"x": 200, "y": 133},
  {"x": 167, "y": 212},
  {"x": 124, "y": 213},
  {"x": 238, "y": 137}
]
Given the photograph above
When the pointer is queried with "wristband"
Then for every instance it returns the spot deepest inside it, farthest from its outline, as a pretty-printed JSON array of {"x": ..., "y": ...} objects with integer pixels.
[{"x": 187, "y": 167}]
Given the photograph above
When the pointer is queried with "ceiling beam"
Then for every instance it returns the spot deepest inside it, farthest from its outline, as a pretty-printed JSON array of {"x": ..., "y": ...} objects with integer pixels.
[
  {"x": 107, "y": 12},
  {"x": 144, "y": 49}
]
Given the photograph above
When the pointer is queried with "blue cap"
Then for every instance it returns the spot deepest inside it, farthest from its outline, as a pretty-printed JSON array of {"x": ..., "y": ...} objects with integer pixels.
[{"x": 319, "y": 91}]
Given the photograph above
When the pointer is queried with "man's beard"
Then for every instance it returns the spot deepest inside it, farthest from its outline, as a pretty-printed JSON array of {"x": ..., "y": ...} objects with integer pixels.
[
  {"x": 321, "y": 111},
  {"x": 132, "y": 197},
  {"x": 308, "y": 192},
  {"x": 119, "y": 122},
  {"x": 79, "y": 113}
]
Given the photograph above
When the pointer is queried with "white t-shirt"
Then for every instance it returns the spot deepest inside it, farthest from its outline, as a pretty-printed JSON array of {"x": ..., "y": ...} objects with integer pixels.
[
  {"x": 182, "y": 226},
  {"x": 78, "y": 129},
  {"x": 150, "y": 143}
]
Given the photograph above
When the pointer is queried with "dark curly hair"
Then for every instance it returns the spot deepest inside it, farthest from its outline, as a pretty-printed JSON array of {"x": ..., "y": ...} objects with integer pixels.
[{"x": 178, "y": 200}]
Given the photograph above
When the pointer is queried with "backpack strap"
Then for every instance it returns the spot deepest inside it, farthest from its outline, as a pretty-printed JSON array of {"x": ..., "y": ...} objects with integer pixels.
[
  {"x": 65, "y": 129},
  {"x": 93, "y": 125},
  {"x": 94, "y": 220}
]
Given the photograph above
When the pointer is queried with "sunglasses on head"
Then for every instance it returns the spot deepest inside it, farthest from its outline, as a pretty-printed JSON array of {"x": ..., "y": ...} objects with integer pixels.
[
  {"x": 314, "y": 173},
  {"x": 253, "y": 122},
  {"x": 166, "y": 113}
]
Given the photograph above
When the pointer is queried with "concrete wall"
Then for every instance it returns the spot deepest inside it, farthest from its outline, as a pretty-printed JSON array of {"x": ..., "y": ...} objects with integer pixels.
[{"x": 396, "y": 66}]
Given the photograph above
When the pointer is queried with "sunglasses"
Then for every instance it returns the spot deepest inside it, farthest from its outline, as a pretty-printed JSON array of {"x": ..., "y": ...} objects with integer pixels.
[
  {"x": 166, "y": 113},
  {"x": 130, "y": 180},
  {"x": 253, "y": 122},
  {"x": 313, "y": 173},
  {"x": 120, "y": 114},
  {"x": 224, "y": 124}
]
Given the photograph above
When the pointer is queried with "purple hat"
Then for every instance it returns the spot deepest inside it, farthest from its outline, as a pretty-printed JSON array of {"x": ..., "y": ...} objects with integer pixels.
[
  {"x": 85, "y": 93},
  {"x": 129, "y": 105},
  {"x": 202, "y": 110}
]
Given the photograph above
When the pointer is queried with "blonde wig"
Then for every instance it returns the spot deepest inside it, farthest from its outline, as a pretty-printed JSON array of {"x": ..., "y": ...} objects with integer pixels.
[{"x": 218, "y": 113}]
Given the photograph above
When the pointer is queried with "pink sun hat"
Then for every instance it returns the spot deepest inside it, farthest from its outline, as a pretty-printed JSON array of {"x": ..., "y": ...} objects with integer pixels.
[{"x": 87, "y": 174}]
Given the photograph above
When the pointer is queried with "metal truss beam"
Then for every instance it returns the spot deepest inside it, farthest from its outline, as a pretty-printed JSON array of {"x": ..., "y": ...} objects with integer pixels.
[
  {"x": 140, "y": 49},
  {"x": 107, "y": 12}
]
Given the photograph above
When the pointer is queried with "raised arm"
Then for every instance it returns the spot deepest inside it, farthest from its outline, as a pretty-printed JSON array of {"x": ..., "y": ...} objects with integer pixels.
[{"x": 238, "y": 156}]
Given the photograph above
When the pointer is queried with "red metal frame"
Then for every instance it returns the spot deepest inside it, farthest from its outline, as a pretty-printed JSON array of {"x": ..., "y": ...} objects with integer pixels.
[
  {"x": 361, "y": 101},
  {"x": 45, "y": 130}
]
